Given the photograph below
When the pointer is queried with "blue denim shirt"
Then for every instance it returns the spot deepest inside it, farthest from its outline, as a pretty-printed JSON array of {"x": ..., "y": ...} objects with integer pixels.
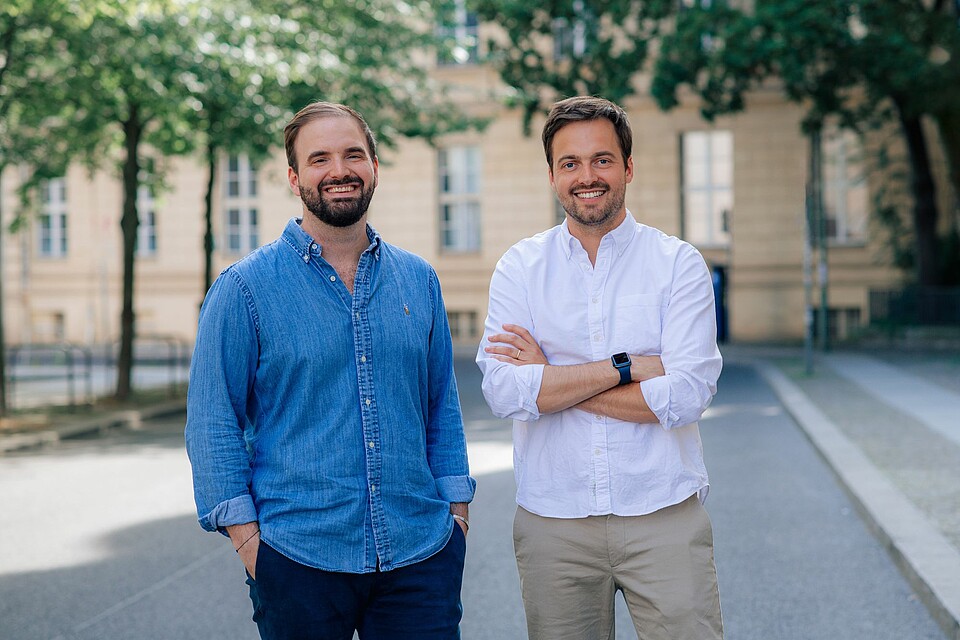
[{"x": 331, "y": 419}]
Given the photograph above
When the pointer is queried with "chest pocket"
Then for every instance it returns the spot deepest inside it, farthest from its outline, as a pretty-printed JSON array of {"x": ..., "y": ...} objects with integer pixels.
[{"x": 637, "y": 323}]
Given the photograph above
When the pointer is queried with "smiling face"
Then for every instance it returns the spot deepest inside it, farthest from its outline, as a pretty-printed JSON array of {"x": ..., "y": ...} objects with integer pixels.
[
  {"x": 335, "y": 175},
  {"x": 590, "y": 175}
]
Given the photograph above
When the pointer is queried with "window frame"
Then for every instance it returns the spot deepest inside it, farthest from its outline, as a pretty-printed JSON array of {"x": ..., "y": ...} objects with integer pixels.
[
  {"x": 459, "y": 173},
  {"x": 53, "y": 231},
  {"x": 240, "y": 209},
  {"x": 717, "y": 221}
]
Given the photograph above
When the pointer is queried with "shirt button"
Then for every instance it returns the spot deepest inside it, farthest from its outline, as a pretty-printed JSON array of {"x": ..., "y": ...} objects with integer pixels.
[
  {"x": 373, "y": 488},
  {"x": 363, "y": 358},
  {"x": 597, "y": 337},
  {"x": 596, "y": 452},
  {"x": 368, "y": 402},
  {"x": 598, "y": 417},
  {"x": 371, "y": 445},
  {"x": 333, "y": 278},
  {"x": 595, "y": 300},
  {"x": 313, "y": 246}
]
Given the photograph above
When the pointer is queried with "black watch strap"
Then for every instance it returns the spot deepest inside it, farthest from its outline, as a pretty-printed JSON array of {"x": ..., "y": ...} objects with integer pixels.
[{"x": 621, "y": 362}]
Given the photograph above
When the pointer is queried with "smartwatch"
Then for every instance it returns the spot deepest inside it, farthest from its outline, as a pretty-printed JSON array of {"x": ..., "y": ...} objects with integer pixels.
[{"x": 621, "y": 362}]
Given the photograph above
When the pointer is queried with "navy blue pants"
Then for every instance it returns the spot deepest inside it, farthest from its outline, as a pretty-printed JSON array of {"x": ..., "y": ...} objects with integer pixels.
[{"x": 417, "y": 602}]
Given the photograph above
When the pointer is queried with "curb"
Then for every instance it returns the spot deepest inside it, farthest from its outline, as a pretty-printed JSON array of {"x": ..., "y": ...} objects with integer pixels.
[
  {"x": 125, "y": 418},
  {"x": 923, "y": 555}
]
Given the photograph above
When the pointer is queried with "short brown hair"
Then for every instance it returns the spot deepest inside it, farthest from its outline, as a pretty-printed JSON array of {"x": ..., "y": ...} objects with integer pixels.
[
  {"x": 314, "y": 111},
  {"x": 583, "y": 109}
]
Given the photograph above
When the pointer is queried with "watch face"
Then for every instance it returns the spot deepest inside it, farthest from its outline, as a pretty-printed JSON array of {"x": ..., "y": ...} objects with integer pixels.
[{"x": 620, "y": 359}]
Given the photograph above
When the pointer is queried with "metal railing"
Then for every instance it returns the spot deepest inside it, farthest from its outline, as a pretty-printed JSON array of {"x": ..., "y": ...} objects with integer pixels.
[
  {"x": 69, "y": 374},
  {"x": 915, "y": 306},
  {"x": 163, "y": 350},
  {"x": 51, "y": 362}
]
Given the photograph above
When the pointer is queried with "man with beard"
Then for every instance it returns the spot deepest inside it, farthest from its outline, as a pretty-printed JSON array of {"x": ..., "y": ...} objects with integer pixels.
[
  {"x": 323, "y": 420},
  {"x": 600, "y": 344}
]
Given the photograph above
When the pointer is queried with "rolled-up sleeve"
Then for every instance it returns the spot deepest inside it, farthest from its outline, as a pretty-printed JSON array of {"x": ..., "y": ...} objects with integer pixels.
[
  {"x": 222, "y": 372},
  {"x": 510, "y": 391},
  {"x": 446, "y": 443},
  {"x": 690, "y": 356}
]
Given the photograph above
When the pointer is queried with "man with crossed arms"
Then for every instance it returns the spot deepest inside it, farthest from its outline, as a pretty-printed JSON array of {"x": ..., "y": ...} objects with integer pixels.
[{"x": 600, "y": 344}]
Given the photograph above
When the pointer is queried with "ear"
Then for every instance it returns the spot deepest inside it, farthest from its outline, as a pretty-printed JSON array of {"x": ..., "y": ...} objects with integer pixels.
[
  {"x": 550, "y": 177},
  {"x": 376, "y": 172},
  {"x": 630, "y": 169},
  {"x": 294, "y": 181}
]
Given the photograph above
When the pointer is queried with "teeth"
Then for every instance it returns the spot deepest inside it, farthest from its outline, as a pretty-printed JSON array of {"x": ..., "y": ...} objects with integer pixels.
[
  {"x": 590, "y": 194},
  {"x": 342, "y": 189}
]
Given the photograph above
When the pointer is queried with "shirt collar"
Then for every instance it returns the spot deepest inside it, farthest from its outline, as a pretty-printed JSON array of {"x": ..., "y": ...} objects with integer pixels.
[
  {"x": 305, "y": 246},
  {"x": 621, "y": 235}
]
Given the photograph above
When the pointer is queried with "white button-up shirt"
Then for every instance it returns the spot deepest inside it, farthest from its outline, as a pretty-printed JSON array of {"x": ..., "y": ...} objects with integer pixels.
[{"x": 647, "y": 294}]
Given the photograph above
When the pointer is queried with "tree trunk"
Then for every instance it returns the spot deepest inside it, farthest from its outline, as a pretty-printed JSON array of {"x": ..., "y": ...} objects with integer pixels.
[
  {"x": 132, "y": 131},
  {"x": 3, "y": 341},
  {"x": 948, "y": 124},
  {"x": 924, "y": 200},
  {"x": 208, "y": 218}
]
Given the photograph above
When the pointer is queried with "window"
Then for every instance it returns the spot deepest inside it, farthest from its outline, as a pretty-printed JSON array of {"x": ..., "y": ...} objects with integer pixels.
[
  {"x": 570, "y": 35},
  {"x": 463, "y": 325},
  {"x": 147, "y": 229},
  {"x": 241, "y": 230},
  {"x": 48, "y": 326},
  {"x": 52, "y": 221},
  {"x": 459, "y": 174},
  {"x": 846, "y": 201},
  {"x": 842, "y": 323},
  {"x": 707, "y": 183},
  {"x": 240, "y": 198},
  {"x": 460, "y": 39}
]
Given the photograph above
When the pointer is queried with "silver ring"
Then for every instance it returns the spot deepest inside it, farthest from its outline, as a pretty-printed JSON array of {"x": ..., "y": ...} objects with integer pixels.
[{"x": 517, "y": 357}]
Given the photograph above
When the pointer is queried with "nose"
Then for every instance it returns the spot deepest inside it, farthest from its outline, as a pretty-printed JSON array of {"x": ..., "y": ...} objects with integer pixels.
[
  {"x": 586, "y": 175},
  {"x": 338, "y": 168}
]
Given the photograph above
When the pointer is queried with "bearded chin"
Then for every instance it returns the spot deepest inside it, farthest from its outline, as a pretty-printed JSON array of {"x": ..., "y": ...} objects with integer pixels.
[
  {"x": 336, "y": 214},
  {"x": 571, "y": 206}
]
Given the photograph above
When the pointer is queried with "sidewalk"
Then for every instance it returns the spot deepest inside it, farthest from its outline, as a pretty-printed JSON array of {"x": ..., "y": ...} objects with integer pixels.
[
  {"x": 39, "y": 429},
  {"x": 41, "y": 397},
  {"x": 888, "y": 423}
]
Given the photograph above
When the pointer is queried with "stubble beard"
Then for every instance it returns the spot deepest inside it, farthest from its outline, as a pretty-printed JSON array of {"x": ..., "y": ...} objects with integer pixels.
[
  {"x": 337, "y": 214},
  {"x": 599, "y": 218}
]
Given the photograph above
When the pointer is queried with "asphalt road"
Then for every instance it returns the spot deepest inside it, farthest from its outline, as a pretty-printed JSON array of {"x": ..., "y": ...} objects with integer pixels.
[{"x": 98, "y": 538}]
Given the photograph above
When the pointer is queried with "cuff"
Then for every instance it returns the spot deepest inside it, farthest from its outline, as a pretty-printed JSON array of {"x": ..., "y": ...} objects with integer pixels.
[
  {"x": 237, "y": 510},
  {"x": 456, "y": 488},
  {"x": 529, "y": 378},
  {"x": 656, "y": 393}
]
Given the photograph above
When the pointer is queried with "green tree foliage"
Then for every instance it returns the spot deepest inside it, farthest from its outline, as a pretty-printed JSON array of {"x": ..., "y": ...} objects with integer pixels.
[
  {"x": 232, "y": 95},
  {"x": 29, "y": 31},
  {"x": 123, "y": 91},
  {"x": 372, "y": 55},
  {"x": 169, "y": 77},
  {"x": 859, "y": 61},
  {"x": 259, "y": 62},
  {"x": 552, "y": 50},
  {"x": 856, "y": 61}
]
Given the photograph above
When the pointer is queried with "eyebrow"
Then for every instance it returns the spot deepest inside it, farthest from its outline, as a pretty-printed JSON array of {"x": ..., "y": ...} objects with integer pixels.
[
  {"x": 323, "y": 152},
  {"x": 599, "y": 154}
]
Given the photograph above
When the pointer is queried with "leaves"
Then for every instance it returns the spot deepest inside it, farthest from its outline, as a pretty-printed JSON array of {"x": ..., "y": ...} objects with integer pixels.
[
  {"x": 99, "y": 82},
  {"x": 562, "y": 48}
]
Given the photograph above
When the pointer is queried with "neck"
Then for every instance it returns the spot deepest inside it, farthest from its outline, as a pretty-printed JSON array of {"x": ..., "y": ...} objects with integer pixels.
[
  {"x": 337, "y": 242},
  {"x": 590, "y": 236}
]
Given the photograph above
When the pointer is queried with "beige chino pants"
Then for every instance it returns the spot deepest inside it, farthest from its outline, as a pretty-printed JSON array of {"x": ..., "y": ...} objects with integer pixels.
[{"x": 571, "y": 569}]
